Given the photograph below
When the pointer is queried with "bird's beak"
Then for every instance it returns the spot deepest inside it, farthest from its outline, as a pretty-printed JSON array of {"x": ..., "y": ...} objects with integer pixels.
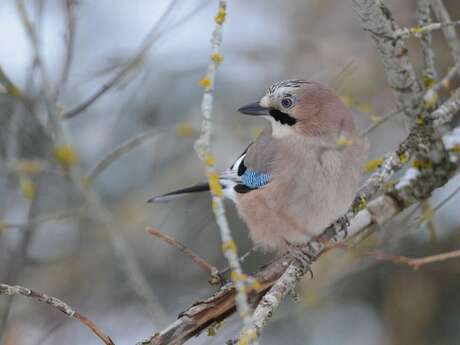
[{"x": 254, "y": 109}]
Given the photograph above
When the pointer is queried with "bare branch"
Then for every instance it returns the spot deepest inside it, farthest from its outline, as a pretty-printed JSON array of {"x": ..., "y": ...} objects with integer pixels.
[
  {"x": 203, "y": 149},
  {"x": 446, "y": 111},
  {"x": 378, "y": 21},
  {"x": 68, "y": 160},
  {"x": 449, "y": 31},
  {"x": 423, "y": 28},
  {"x": 206, "y": 266},
  {"x": 71, "y": 22},
  {"x": 56, "y": 303},
  {"x": 414, "y": 263},
  {"x": 154, "y": 34},
  {"x": 423, "y": 31},
  {"x": 381, "y": 121},
  {"x": 120, "y": 151}
]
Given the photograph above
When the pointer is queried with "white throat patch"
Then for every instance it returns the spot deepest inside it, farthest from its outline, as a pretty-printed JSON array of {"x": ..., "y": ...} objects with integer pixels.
[{"x": 279, "y": 130}]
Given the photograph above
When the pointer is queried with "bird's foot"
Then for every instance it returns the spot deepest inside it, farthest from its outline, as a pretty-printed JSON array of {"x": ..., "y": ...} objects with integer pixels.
[
  {"x": 344, "y": 223},
  {"x": 299, "y": 253}
]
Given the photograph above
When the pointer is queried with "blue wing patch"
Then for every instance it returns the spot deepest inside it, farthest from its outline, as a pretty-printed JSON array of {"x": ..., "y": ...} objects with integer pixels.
[{"x": 254, "y": 179}]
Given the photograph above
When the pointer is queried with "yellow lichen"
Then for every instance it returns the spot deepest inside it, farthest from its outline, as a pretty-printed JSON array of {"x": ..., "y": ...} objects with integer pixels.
[
  {"x": 229, "y": 245},
  {"x": 422, "y": 164},
  {"x": 220, "y": 16},
  {"x": 205, "y": 83},
  {"x": 347, "y": 100},
  {"x": 390, "y": 185},
  {"x": 428, "y": 81},
  {"x": 214, "y": 185},
  {"x": 455, "y": 148},
  {"x": 185, "y": 130},
  {"x": 256, "y": 285},
  {"x": 28, "y": 187},
  {"x": 247, "y": 337},
  {"x": 375, "y": 118},
  {"x": 343, "y": 141},
  {"x": 217, "y": 58},
  {"x": 212, "y": 330},
  {"x": 404, "y": 157},
  {"x": 209, "y": 159},
  {"x": 373, "y": 165},
  {"x": 362, "y": 204},
  {"x": 65, "y": 155},
  {"x": 420, "y": 121},
  {"x": 238, "y": 277},
  {"x": 416, "y": 30},
  {"x": 446, "y": 84}
]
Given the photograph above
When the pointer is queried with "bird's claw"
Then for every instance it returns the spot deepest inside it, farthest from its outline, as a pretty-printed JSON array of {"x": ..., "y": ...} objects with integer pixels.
[
  {"x": 299, "y": 254},
  {"x": 344, "y": 224}
]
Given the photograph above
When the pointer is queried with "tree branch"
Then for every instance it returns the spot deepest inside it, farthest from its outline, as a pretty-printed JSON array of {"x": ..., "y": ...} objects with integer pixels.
[
  {"x": 206, "y": 266},
  {"x": 376, "y": 19},
  {"x": 56, "y": 303}
]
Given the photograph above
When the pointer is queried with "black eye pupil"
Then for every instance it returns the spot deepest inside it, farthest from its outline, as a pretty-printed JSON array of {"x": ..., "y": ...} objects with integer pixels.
[{"x": 286, "y": 102}]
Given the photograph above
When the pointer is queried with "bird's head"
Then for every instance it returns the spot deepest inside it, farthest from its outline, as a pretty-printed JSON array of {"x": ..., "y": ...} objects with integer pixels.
[{"x": 302, "y": 107}]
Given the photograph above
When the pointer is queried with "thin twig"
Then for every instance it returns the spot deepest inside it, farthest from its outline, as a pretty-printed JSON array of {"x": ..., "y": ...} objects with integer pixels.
[
  {"x": 71, "y": 22},
  {"x": 56, "y": 303},
  {"x": 418, "y": 31},
  {"x": 429, "y": 74},
  {"x": 381, "y": 121},
  {"x": 446, "y": 200},
  {"x": 203, "y": 149},
  {"x": 121, "y": 251},
  {"x": 124, "y": 70},
  {"x": 414, "y": 263},
  {"x": 419, "y": 262},
  {"x": 206, "y": 266},
  {"x": 430, "y": 97},
  {"x": 120, "y": 151},
  {"x": 447, "y": 110},
  {"x": 241, "y": 259},
  {"x": 154, "y": 34},
  {"x": 450, "y": 33},
  {"x": 421, "y": 219}
]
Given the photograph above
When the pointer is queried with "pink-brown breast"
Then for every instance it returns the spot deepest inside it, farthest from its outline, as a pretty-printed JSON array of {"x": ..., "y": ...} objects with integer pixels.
[{"x": 312, "y": 183}]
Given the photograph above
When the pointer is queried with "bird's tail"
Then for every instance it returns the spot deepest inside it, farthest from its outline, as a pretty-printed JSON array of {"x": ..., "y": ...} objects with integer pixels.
[{"x": 202, "y": 187}]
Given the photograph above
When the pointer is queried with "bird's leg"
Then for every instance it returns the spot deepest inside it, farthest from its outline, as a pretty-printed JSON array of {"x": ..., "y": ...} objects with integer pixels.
[{"x": 299, "y": 253}]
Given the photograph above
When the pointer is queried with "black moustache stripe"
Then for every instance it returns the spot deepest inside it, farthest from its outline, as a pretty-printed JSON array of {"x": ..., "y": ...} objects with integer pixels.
[{"x": 282, "y": 118}]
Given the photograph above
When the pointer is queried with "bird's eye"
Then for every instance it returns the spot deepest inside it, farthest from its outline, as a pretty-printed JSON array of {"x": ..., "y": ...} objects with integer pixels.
[{"x": 287, "y": 102}]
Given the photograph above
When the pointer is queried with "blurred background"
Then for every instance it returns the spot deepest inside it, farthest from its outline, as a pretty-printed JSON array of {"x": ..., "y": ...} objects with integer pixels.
[{"x": 91, "y": 248}]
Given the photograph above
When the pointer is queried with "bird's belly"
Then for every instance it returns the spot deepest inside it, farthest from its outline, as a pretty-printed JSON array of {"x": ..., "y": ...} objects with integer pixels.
[{"x": 274, "y": 219}]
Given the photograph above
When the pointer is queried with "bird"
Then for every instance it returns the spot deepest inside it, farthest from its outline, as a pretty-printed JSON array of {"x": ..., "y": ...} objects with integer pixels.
[{"x": 302, "y": 171}]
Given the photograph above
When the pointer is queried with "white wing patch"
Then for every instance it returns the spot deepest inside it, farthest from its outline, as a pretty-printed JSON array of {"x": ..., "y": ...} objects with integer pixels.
[
  {"x": 229, "y": 178},
  {"x": 232, "y": 173}
]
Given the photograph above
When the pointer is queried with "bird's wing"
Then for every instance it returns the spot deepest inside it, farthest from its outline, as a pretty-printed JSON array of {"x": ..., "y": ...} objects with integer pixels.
[{"x": 252, "y": 168}]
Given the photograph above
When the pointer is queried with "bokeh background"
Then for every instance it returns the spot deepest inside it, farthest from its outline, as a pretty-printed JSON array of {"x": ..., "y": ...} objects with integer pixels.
[{"x": 104, "y": 263}]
